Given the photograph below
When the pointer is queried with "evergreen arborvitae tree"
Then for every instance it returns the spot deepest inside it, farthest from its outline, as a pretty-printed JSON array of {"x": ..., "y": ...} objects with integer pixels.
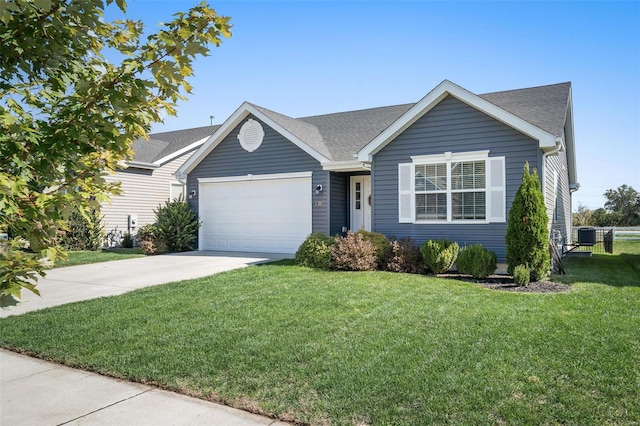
[{"x": 527, "y": 233}]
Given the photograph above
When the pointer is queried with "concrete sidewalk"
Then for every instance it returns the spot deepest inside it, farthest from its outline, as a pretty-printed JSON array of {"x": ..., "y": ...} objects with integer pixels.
[{"x": 36, "y": 392}]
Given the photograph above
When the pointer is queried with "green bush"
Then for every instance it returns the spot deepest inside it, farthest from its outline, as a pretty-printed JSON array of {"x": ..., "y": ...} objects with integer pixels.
[
  {"x": 521, "y": 275},
  {"x": 84, "y": 233},
  {"x": 405, "y": 257},
  {"x": 353, "y": 253},
  {"x": 439, "y": 255},
  {"x": 149, "y": 240},
  {"x": 177, "y": 225},
  {"x": 477, "y": 261},
  {"x": 527, "y": 238},
  {"x": 127, "y": 240},
  {"x": 381, "y": 244},
  {"x": 315, "y": 251}
]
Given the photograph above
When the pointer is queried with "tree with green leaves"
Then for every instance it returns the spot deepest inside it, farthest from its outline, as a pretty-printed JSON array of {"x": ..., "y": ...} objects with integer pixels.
[
  {"x": 624, "y": 204},
  {"x": 68, "y": 115},
  {"x": 527, "y": 236}
]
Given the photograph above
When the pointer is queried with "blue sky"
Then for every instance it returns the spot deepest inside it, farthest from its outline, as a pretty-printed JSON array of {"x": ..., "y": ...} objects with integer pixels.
[{"x": 305, "y": 58}]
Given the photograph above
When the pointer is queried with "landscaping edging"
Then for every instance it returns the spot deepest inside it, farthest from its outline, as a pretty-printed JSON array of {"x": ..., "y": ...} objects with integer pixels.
[{"x": 505, "y": 283}]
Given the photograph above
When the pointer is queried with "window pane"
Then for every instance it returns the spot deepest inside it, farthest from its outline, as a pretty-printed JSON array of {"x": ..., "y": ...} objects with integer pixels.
[
  {"x": 431, "y": 206},
  {"x": 431, "y": 177},
  {"x": 468, "y": 205},
  {"x": 468, "y": 175}
]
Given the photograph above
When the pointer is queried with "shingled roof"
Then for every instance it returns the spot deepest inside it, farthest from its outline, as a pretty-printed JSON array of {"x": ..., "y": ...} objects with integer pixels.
[
  {"x": 339, "y": 136},
  {"x": 543, "y": 106},
  {"x": 161, "y": 145}
]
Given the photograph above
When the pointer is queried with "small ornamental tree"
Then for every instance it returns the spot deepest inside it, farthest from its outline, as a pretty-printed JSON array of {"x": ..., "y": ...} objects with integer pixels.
[
  {"x": 177, "y": 225},
  {"x": 527, "y": 236},
  {"x": 69, "y": 113}
]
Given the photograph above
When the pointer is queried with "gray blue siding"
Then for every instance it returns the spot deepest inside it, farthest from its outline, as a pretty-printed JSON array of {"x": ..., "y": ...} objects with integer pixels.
[
  {"x": 450, "y": 126},
  {"x": 276, "y": 155},
  {"x": 339, "y": 208}
]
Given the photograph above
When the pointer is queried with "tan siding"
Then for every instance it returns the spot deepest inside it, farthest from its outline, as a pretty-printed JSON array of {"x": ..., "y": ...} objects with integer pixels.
[{"x": 142, "y": 192}]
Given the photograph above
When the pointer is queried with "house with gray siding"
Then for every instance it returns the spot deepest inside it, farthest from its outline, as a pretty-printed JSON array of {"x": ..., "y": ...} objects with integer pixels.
[
  {"x": 447, "y": 166},
  {"x": 149, "y": 180}
]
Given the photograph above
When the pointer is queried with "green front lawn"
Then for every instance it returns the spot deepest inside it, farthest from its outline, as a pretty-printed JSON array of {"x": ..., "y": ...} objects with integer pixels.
[
  {"x": 85, "y": 257},
  {"x": 368, "y": 348}
]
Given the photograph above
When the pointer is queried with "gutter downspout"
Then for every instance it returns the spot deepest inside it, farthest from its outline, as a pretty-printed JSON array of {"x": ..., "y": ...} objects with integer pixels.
[{"x": 554, "y": 151}]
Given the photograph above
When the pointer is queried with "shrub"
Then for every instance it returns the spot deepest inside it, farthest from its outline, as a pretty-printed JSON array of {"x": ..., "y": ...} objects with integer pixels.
[
  {"x": 477, "y": 261},
  {"x": 84, "y": 233},
  {"x": 353, "y": 253},
  {"x": 521, "y": 275},
  {"x": 127, "y": 240},
  {"x": 149, "y": 240},
  {"x": 527, "y": 236},
  {"x": 177, "y": 225},
  {"x": 315, "y": 251},
  {"x": 405, "y": 257},
  {"x": 381, "y": 244},
  {"x": 439, "y": 255}
]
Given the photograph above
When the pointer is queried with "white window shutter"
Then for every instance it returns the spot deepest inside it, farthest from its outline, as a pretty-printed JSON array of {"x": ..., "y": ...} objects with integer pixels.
[
  {"x": 497, "y": 193},
  {"x": 405, "y": 193}
]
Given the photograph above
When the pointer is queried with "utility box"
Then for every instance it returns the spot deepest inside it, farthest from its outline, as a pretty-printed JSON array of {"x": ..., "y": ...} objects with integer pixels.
[
  {"x": 587, "y": 236},
  {"x": 132, "y": 221}
]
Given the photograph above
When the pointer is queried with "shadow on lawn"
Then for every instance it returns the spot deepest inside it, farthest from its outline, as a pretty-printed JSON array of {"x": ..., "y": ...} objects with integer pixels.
[{"x": 618, "y": 270}]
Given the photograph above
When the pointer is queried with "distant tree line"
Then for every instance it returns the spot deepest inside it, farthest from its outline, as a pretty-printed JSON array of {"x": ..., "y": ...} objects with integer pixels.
[{"x": 622, "y": 208}]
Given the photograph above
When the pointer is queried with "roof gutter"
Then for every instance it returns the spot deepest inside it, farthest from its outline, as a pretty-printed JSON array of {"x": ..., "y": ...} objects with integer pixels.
[{"x": 142, "y": 165}]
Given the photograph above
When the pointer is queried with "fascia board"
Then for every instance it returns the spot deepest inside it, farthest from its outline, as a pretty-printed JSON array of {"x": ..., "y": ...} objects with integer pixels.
[
  {"x": 214, "y": 140},
  {"x": 570, "y": 144},
  {"x": 545, "y": 140},
  {"x": 287, "y": 134},
  {"x": 141, "y": 165},
  {"x": 344, "y": 166},
  {"x": 180, "y": 151}
]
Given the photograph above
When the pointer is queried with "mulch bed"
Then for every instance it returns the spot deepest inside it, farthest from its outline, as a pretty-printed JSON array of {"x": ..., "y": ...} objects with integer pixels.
[{"x": 505, "y": 283}]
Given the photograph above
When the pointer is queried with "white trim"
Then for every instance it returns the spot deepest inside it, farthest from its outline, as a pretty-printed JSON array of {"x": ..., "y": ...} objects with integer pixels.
[
  {"x": 176, "y": 183},
  {"x": 140, "y": 165},
  {"x": 230, "y": 124},
  {"x": 245, "y": 178},
  {"x": 448, "y": 158},
  {"x": 345, "y": 166},
  {"x": 181, "y": 151},
  {"x": 451, "y": 156},
  {"x": 545, "y": 140}
]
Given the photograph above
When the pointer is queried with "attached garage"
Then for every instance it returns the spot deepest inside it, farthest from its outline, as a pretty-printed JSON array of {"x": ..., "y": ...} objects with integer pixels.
[{"x": 259, "y": 213}]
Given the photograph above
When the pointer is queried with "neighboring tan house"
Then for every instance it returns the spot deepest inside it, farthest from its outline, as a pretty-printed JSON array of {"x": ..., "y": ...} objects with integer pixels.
[
  {"x": 447, "y": 166},
  {"x": 149, "y": 179}
]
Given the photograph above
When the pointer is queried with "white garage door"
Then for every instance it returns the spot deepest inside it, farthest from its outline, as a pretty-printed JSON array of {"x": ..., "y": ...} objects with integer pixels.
[{"x": 260, "y": 213}]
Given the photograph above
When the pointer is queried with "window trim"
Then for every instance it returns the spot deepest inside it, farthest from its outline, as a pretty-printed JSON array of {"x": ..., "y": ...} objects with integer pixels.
[{"x": 407, "y": 192}]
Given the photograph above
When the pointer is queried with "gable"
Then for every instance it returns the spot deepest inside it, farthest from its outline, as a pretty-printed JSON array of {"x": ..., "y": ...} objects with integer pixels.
[
  {"x": 276, "y": 154},
  {"x": 233, "y": 123},
  {"x": 445, "y": 89}
]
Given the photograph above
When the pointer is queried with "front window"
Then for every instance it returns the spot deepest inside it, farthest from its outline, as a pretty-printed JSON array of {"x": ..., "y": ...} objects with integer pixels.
[{"x": 450, "y": 190}]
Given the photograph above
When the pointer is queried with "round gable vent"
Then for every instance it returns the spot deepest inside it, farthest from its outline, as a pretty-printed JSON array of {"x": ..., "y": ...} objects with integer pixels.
[{"x": 251, "y": 135}]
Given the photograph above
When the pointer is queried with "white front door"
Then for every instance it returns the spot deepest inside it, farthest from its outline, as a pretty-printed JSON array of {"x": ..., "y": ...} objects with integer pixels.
[{"x": 360, "y": 203}]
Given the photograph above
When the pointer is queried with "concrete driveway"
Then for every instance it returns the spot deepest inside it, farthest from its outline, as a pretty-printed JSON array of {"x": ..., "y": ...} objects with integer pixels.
[{"x": 83, "y": 282}]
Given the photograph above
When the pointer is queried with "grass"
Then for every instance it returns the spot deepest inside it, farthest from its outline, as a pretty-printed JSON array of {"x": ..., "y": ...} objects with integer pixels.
[
  {"x": 85, "y": 257},
  {"x": 368, "y": 348}
]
